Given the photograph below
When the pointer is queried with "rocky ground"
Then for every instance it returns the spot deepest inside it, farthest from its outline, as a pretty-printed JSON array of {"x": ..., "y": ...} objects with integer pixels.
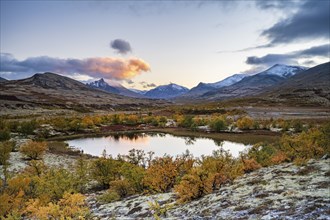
[
  {"x": 17, "y": 163},
  {"x": 284, "y": 191}
]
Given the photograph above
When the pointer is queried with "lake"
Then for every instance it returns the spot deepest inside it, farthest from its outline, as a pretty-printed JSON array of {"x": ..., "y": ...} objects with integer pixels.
[{"x": 160, "y": 143}]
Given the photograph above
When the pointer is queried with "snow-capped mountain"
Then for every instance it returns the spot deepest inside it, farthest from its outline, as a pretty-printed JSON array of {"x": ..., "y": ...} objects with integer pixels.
[
  {"x": 255, "y": 84},
  {"x": 166, "y": 91},
  {"x": 283, "y": 70},
  {"x": 141, "y": 92},
  {"x": 113, "y": 87},
  {"x": 202, "y": 88},
  {"x": 228, "y": 81}
]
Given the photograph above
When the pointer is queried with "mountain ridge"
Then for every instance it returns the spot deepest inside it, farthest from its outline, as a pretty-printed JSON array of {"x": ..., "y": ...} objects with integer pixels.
[
  {"x": 115, "y": 88},
  {"x": 166, "y": 91}
]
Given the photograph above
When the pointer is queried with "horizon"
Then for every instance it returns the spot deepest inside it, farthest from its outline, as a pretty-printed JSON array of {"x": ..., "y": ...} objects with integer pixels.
[
  {"x": 142, "y": 45},
  {"x": 115, "y": 83}
]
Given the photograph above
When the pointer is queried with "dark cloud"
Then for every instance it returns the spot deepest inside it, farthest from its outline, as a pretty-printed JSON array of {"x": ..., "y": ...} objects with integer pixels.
[
  {"x": 278, "y": 4},
  {"x": 147, "y": 85},
  {"x": 290, "y": 58},
  {"x": 121, "y": 46},
  {"x": 129, "y": 81},
  {"x": 311, "y": 21},
  {"x": 106, "y": 67}
]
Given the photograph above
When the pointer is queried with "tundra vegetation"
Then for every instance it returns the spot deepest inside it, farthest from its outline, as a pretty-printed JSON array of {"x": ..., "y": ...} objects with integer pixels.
[{"x": 45, "y": 192}]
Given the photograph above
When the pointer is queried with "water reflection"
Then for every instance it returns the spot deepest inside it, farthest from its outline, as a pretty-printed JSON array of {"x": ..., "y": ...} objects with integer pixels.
[{"x": 159, "y": 143}]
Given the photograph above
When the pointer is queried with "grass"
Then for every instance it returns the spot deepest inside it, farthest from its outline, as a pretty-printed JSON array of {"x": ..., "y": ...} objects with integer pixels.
[{"x": 61, "y": 148}]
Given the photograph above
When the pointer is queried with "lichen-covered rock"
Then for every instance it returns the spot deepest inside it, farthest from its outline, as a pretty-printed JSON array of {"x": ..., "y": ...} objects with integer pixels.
[{"x": 284, "y": 191}]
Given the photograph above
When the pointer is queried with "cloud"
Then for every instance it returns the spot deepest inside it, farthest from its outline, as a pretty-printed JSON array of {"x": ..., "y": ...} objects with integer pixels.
[
  {"x": 128, "y": 81},
  {"x": 96, "y": 67},
  {"x": 311, "y": 21},
  {"x": 121, "y": 46},
  {"x": 277, "y": 4},
  {"x": 292, "y": 57},
  {"x": 147, "y": 85}
]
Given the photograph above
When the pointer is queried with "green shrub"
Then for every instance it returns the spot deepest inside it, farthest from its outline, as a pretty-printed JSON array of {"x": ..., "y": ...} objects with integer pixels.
[
  {"x": 218, "y": 124},
  {"x": 5, "y": 149},
  {"x": 4, "y": 134},
  {"x": 122, "y": 187},
  {"x": 108, "y": 196},
  {"x": 105, "y": 170},
  {"x": 27, "y": 127}
]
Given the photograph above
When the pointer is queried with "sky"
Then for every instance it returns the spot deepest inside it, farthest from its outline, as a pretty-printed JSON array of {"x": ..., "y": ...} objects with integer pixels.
[{"x": 143, "y": 44}]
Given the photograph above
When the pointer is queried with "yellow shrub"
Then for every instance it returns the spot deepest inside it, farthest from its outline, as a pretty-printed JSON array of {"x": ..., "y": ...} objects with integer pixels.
[
  {"x": 245, "y": 123},
  {"x": 33, "y": 150}
]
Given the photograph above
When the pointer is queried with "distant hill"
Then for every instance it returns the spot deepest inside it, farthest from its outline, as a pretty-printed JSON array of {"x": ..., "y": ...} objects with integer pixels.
[
  {"x": 166, "y": 91},
  {"x": 56, "y": 91},
  {"x": 311, "y": 87},
  {"x": 115, "y": 88},
  {"x": 256, "y": 84}
]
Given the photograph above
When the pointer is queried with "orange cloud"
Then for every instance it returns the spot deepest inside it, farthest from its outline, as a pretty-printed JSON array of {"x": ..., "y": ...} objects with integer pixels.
[
  {"x": 106, "y": 67},
  {"x": 116, "y": 68}
]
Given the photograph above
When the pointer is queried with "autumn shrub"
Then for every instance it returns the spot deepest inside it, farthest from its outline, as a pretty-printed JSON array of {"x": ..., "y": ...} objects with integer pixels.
[
  {"x": 161, "y": 174},
  {"x": 245, "y": 123},
  {"x": 222, "y": 167},
  {"x": 279, "y": 157},
  {"x": 194, "y": 185},
  {"x": 308, "y": 144},
  {"x": 184, "y": 164},
  {"x": 105, "y": 170},
  {"x": 52, "y": 184},
  {"x": 71, "y": 206},
  {"x": 250, "y": 165},
  {"x": 33, "y": 150},
  {"x": 14, "y": 196}
]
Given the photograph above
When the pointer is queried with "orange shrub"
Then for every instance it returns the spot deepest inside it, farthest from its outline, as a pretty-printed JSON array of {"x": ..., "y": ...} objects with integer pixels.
[{"x": 161, "y": 175}]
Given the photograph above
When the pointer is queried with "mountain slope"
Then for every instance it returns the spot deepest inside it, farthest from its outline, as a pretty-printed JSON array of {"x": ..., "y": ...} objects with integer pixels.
[
  {"x": 3, "y": 79},
  {"x": 115, "y": 88},
  {"x": 309, "y": 87},
  {"x": 56, "y": 91},
  {"x": 256, "y": 84},
  {"x": 202, "y": 88},
  {"x": 166, "y": 91}
]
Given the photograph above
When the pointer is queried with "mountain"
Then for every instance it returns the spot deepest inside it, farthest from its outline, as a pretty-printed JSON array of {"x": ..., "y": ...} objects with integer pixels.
[
  {"x": 50, "y": 90},
  {"x": 283, "y": 70},
  {"x": 166, "y": 91},
  {"x": 228, "y": 81},
  {"x": 3, "y": 79},
  {"x": 256, "y": 84},
  {"x": 202, "y": 88},
  {"x": 115, "y": 88},
  {"x": 310, "y": 87},
  {"x": 141, "y": 92}
]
